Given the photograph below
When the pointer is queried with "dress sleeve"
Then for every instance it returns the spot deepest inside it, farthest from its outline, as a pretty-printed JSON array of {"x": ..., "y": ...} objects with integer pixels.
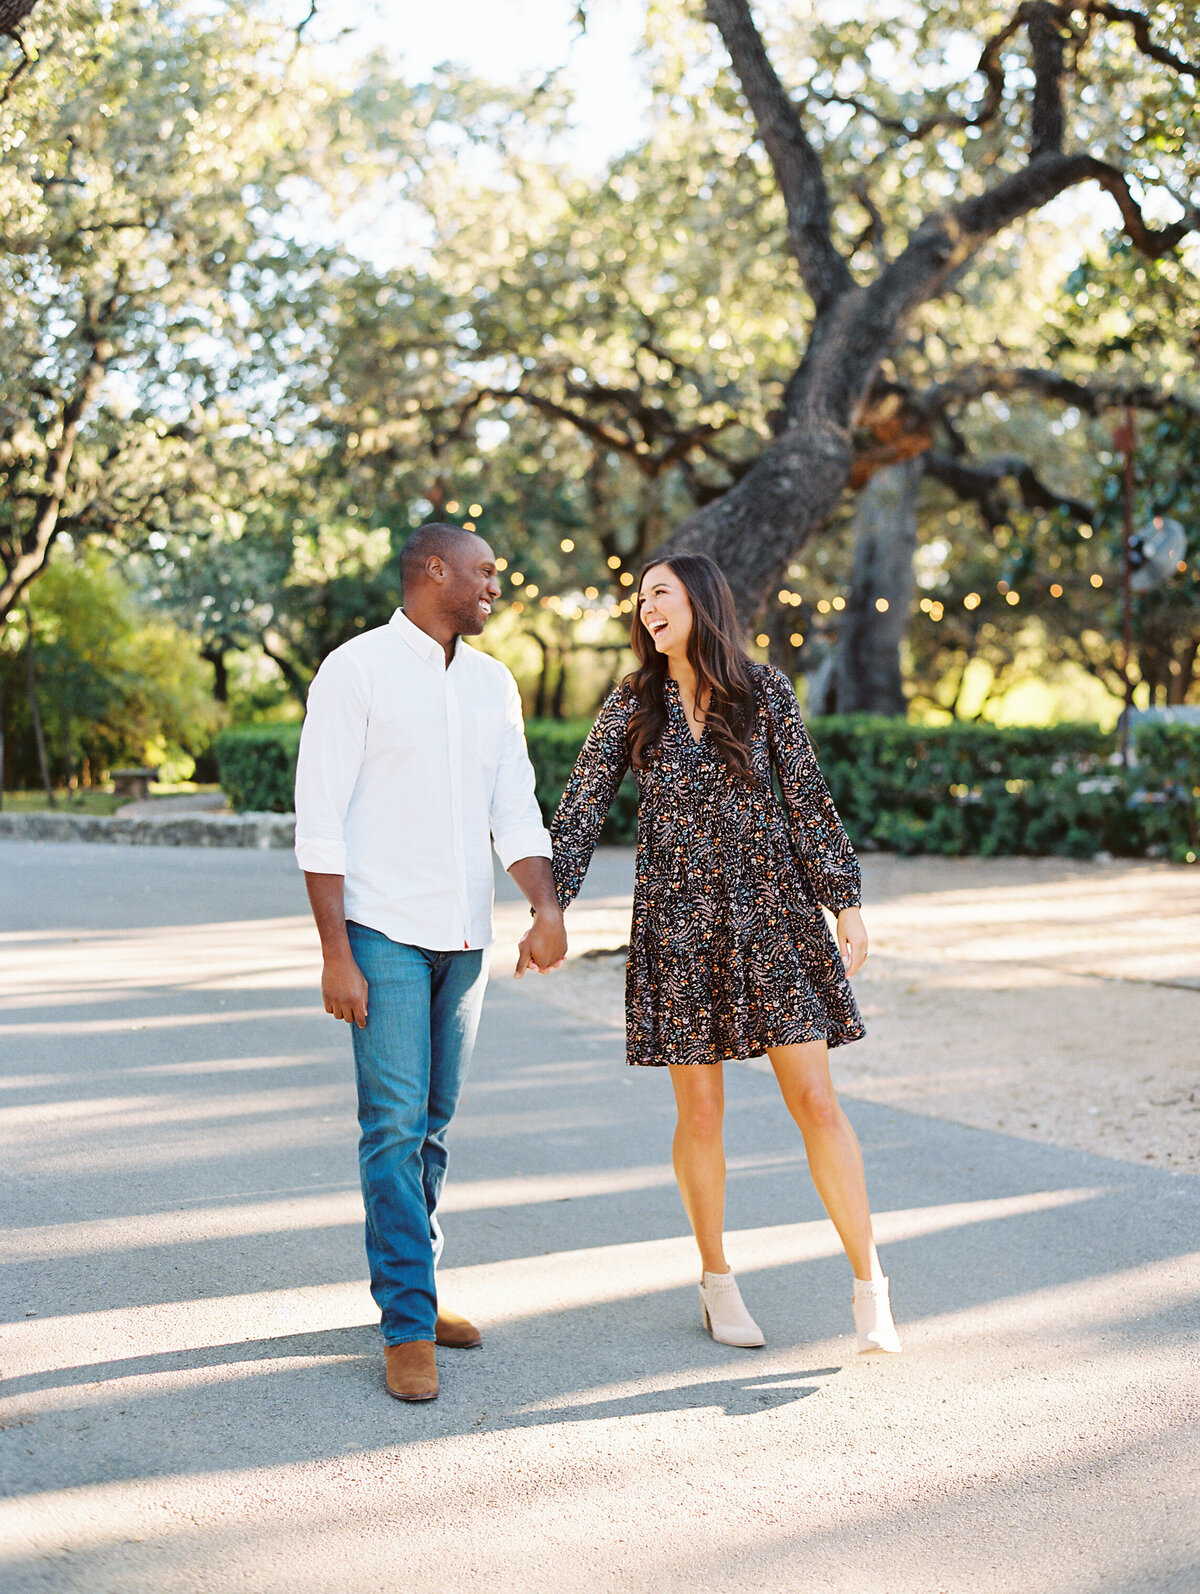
[
  {"x": 579, "y": 818},
  {"x": 821, "y": 844}
]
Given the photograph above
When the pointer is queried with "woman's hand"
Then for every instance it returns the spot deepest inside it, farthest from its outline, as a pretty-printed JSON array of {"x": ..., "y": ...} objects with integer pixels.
[{"x": 852, "y": 939}]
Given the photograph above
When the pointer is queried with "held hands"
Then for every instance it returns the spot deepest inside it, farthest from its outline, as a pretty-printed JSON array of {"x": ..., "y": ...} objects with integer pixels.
[
  {"x": 544, "y": 944},
  {"x": 852, "y": 939},
  {"x": 344, "y": 990}
]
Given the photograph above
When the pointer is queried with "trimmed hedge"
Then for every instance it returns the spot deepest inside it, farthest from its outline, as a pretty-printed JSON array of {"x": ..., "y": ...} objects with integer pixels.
[
  {"x": 957, "y": 790},
  {"x": 256, "y": 765}
]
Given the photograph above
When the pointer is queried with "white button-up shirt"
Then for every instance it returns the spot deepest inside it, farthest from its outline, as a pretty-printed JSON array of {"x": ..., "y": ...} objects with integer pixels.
[{"x": 405, "y": 767}]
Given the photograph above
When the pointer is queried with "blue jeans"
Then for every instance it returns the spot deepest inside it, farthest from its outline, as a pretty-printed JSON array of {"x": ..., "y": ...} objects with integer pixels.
[{"x": 409, "y": 1059}]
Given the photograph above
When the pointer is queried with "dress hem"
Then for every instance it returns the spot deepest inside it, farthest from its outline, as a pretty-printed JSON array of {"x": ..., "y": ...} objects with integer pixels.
[{"x": 845, "y": 1037}]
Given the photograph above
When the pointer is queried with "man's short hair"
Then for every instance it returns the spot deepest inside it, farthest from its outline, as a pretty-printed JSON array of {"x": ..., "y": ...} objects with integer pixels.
[{"x": 434, "y": 538}]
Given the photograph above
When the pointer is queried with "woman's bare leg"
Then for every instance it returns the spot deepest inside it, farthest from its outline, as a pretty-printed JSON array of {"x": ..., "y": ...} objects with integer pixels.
[
  {"x": 699, "y": 1156},
  {"x": 834, "y": 1159}
]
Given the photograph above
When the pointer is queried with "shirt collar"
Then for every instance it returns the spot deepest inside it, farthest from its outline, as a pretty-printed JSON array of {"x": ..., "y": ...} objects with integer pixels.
[{"x": 422, "y": 644}]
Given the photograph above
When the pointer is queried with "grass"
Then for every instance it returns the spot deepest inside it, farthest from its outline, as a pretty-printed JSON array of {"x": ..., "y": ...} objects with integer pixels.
[{"x": 91, "y": 800}]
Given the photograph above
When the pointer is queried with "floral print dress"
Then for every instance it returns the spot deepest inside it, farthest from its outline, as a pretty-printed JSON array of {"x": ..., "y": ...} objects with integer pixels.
[{"x": 729, "y": 952}]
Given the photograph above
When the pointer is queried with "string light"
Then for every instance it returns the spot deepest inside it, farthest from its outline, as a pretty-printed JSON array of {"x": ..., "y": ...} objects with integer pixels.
[
  {"x": 1096, "y": 580},
  {"x": 517, "y": 578},
  {"x": 1012, "y": 597},
  {"x": 475, "y": 509},
  {"x": 1056, "y": 591},
  {"x": 796, "y": 639},
  {"x": 626, "y": 579},
  {"x": 590, "y": 592},
  {"x": 823, "y": 606},
  {"x": 881, "y": 604},
  {"x": 468, "y": 525},
  {"x": 762, "y": 639},
  {"x": 613, "y": 562},
  {"x": 840, "y": 603},
  {"x": 972, "y": 600},
  {"x": 530, "y": 591},
  {"x": 452, "y": 507},
  {"x": 501, "y": 564},
  {"x": 1085, "y": 532},
  {"x": 567, "y": 545},
  {"x": 936, "y": 611}
]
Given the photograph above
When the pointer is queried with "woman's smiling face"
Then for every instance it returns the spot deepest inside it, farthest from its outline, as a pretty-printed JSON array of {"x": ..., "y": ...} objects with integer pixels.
[{"x": 665, "y": 611}]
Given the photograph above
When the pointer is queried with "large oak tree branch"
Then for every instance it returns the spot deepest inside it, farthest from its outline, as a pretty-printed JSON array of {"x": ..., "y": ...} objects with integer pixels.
[
  {"x": 1140, "y": 23},
  {"x": 979, "y": 482},
  {"x": 1092, "y": 398},
  {"x": 795, "y": 162},
  {"x": 1046, "y": 26}
]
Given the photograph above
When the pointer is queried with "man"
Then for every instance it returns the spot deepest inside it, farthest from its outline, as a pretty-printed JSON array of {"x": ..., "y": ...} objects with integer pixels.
[{"x": 413, "y": 750}]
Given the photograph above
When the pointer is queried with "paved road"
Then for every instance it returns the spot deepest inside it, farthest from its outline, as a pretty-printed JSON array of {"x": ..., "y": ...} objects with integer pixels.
[{"x": 191, "y": 1396}]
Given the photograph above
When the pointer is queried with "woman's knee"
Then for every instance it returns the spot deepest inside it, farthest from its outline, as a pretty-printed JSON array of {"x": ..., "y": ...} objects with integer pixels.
[
  {"x": 701, "y": 1114},
  {"x": 816, "y": 1107}
]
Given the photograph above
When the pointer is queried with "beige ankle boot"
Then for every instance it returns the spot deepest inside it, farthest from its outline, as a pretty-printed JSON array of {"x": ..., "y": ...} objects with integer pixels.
[
  {"x": 873, "y": 1317},
  {"x": 724, "y": 1312}
]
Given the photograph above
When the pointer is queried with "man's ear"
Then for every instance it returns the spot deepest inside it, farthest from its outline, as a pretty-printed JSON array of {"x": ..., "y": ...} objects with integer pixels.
[{"x": 434, "y": 568}]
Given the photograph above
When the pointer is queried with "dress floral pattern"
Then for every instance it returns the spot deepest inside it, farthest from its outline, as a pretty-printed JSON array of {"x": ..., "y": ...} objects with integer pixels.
[{"x": 729, "y": 952}]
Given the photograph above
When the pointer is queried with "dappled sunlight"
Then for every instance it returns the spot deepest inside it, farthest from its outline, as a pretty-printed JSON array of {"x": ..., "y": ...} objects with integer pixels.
[
  {"x": 225, "y": 1135},
  {"x": 239, "y": 954},
  {"x": 1119, "y": 923},
  {"x": 163, "y": 1021},
  {"x": 330, "y": 1210},
  {"x": 990, "y": 1442},
  {"x": 501, "y": 1292},
  {"x": 20, "y": 1125}
]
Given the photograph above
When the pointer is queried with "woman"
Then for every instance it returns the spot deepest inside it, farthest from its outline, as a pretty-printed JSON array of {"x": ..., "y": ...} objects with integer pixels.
[{"x": 729, "y": 952}]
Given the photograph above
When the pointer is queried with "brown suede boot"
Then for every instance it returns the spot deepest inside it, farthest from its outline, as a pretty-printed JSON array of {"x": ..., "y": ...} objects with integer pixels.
[
  {"x": 412, "y": 1371},
  {"x": 455, "y": 1331}
]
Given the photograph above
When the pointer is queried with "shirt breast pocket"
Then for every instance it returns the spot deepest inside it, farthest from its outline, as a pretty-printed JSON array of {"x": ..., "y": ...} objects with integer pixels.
[{"x": 483, "y": 733}]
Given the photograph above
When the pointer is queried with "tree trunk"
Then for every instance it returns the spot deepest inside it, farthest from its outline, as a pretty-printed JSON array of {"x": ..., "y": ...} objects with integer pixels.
[
  {"x": 35, "y": 712},
  {"x": 758, "y": 527},
  {"x": 867, "y": 676},
  {"x": 215, "y": 656},
  {"x": 30, "y": 555}
]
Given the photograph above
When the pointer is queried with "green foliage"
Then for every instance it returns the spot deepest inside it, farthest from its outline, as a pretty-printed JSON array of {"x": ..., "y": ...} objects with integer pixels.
[
  {"x": 257, "y": 765},
  {"x": 1169, "y": 780},
  {"x": 957, "y": 790},
  {"x": 115, "y": 686},
  {"x": 553, "y": 748}
]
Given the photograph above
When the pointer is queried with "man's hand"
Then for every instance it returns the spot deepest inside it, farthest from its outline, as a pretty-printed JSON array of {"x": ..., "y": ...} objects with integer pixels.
[
  {"x": 344, "y": 990},
  {"x": 852, "y": 939},
  {"x": 544, "y": 944}
]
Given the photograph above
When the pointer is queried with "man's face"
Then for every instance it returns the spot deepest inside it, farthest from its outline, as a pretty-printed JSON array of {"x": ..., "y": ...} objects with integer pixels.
[{"x": 470, "y": 588}]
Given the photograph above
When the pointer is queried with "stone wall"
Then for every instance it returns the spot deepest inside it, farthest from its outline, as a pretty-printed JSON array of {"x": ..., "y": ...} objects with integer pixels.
[{"x": 178, "y": 830}]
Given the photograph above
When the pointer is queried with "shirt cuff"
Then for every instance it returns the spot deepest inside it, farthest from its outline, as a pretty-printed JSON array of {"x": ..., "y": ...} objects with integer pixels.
[
  {"x": 533, "y": 842},
  {"x": 321, "y": 857}
]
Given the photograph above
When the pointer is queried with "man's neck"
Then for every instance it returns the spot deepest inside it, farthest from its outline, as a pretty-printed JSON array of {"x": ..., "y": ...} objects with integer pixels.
[{"x": 435, "y": 628}]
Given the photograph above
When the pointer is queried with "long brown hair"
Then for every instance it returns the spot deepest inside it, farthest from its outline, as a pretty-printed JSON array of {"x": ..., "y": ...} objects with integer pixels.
[{"x": 716, "y": 654}]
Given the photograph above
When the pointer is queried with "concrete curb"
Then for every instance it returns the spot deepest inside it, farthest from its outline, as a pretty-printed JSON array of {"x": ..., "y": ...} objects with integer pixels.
[{"x": 177, "y": 830}]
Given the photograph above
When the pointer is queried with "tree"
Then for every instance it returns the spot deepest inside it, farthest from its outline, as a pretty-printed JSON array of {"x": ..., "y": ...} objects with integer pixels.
[
  {"x": 114, "y": 684},
  {"x": 151, "y": 292},
  {"x": 858, "y": 315}
]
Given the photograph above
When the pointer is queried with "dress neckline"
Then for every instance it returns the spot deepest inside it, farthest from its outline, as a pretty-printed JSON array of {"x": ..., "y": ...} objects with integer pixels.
[{"x": 687, "y": 724}]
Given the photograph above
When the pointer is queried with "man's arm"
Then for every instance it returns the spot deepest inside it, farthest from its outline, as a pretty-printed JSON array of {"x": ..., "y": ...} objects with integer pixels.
[
  {"x": 343, "y": 988},
  {"x": 544, "y": 944}
]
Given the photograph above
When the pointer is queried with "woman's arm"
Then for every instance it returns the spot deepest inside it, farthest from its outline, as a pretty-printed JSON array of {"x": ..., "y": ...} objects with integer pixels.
[
  {"x": 584, "y": 805},
  {"x": 821, "y": 843}
]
